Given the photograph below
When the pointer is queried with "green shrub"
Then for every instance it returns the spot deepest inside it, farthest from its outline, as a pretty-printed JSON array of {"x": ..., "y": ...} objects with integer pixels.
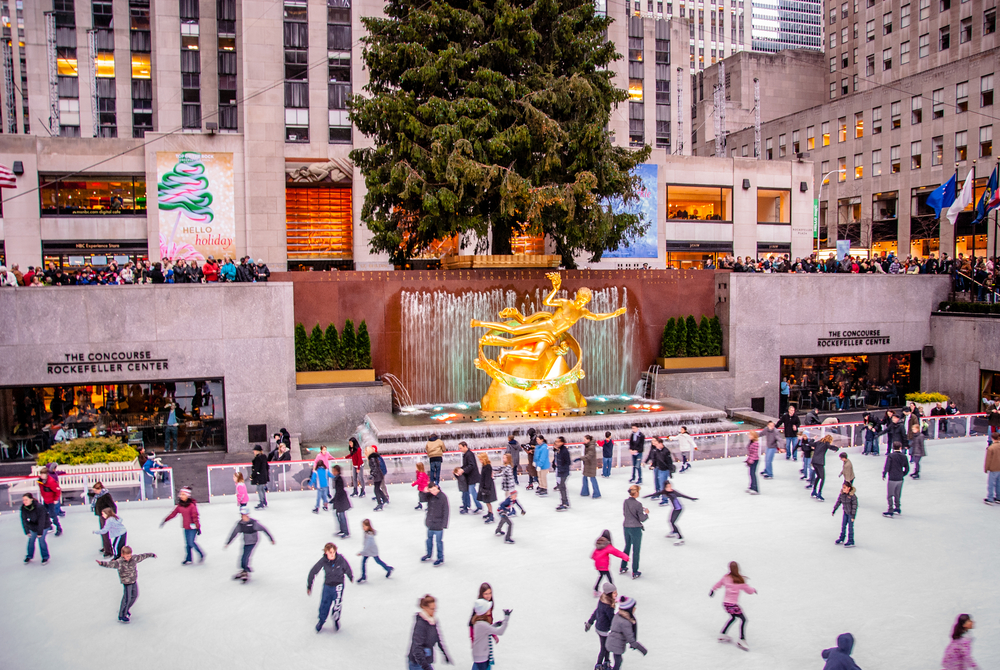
[
  {"x": 693, "y": 341},
  {"x": 318, "y": 351},
  {"x": 925, "y": 396},
  {"x": 681, "y": 337},
  {"x": 333, "y": 348},
  {"x": 969, "y": 307},
  {"x": 705, "y": 337},
  {"x": 301, "y": 348},
  {"x": 348, "y": 347},
  {"x": 88, "y": 450},
  {"x": 668, "y": 344},
  {"x": 715, "y": 328},
  {"x": 364, "y": 347}
]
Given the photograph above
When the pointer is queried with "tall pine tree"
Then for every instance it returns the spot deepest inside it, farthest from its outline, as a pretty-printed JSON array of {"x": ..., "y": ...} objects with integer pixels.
[
  {"x": 490, "y": 116},
  {"x": 364, "y": 347},
  {"x": 705, "y": 337},
  {"x": 348, "y": 347},
  {"x": 333, "y": 347},
  {"x": 301, "y": 348},
  {"x": 691, "y": 327},
  {"x": 668, "y": 349},
  {"x": 319, "y": 353},
  {"x": 716, "y": 330},
  {"x": 681, "y": 337}
]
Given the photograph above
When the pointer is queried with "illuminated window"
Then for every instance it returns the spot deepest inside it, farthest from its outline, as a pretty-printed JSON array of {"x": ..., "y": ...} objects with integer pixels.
[
  {"x": 810, "y": 138},
  {"x": 105, "y": 64},
  {"x": 704, "y": 203},
  {"x": 826, "y": 133},
  {"x": 635, "y": 89},
  {"x": 842, "y": 129},
  {"x": 859, "y": 166},
  {"x": 319, "y": 223},
  {"x": 841, "y": 170},
  {"x": 140, "y": 66},
  {"x": 774, "y": 206},
  {"x": 859, "y": 125},
  {"x": 66, "y": 65}
]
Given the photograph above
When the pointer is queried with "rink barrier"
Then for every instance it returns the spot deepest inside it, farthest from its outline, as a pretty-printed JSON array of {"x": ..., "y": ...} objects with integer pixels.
[
  {"x": 126, "y": 485},
  {"x": 294, "y": 475}
]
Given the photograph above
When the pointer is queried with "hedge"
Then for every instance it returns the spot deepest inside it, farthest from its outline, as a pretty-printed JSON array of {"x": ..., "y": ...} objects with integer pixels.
[
  {"x": 88, "y": 450},
  {"x": 925, "y": 396},
  {"x": 970, "y": 307},
  {"x": 686, "y": 337},
  {"x": 327, "y": 350}
]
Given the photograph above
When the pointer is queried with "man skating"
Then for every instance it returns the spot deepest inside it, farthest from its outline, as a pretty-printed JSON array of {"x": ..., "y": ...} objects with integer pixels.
[
  {"x": 895, "y": 468},
  {"x": 636, "y": 445},
  {"x": 790, "y": 422},
  {"x": 436, "y": 521},
  {"x": 259, "y": 476}
]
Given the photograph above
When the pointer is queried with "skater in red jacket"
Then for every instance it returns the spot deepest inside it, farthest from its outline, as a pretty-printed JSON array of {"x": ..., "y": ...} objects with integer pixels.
[
  {"x": 602, "y": 557},
  {"x": 187, "y": 507}
]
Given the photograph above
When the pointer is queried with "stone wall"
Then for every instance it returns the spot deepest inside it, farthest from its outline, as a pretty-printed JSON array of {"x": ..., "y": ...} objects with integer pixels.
[
  {"x": 963, "y": 346},
  {"x": 332, "y": 415}
]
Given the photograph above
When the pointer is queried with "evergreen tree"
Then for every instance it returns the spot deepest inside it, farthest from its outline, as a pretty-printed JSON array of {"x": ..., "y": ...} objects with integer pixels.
[
  {"x": 716, "y": 330},
  {"x": 492, "y": 117},
  {"x": 333, "y": 347},
  {"x": 693, "y": 347},
  {"x": 301, "y": 348},
  {"x": 668, "y": 349},
  {"x": 681, "y": 337},
  {"x": 318, "y": 351},
  {"x": 705, "y": 337},
  {"x": 348, "y": 347},
  {"x": 364, "y": 347}
]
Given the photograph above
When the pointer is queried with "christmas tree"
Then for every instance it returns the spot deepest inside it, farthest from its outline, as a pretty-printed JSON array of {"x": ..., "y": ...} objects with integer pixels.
[{"x": 184, "y": 189}]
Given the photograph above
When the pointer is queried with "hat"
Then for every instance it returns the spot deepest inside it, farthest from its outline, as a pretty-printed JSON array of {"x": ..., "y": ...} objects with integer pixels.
[
  {"x": 626, "y": 603},
  {"x": 186, "y": 489},
  {"x": 257, "y": 447},
  {"x": 260, "y": 261},
  {"x": 481, "y": 607},
  {"x": 608, "y": 588},
  {"x": 245, "y": 509}
]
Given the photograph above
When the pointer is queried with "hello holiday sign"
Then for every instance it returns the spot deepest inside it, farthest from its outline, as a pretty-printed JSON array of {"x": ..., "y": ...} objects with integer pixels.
[{"x": 195, "y": 199}]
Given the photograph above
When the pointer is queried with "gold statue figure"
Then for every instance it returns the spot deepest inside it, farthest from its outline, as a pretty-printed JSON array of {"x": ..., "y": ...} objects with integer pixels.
[{"x": 531, "y": 374}]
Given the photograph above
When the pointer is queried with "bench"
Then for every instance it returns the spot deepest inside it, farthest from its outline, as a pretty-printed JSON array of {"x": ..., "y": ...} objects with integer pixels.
[{"x": 79, "y": 478}]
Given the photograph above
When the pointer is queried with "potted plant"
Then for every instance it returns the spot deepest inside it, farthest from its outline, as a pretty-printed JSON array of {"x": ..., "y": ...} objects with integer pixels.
[
  {"x": 326, "y": 357},
  {"x": 691, "y": 346},
  {"x": 926, "y": 400}
]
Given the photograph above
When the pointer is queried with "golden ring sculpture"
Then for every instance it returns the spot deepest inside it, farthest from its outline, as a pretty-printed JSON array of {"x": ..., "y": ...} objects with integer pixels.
[{"x": 531, "y": 374}]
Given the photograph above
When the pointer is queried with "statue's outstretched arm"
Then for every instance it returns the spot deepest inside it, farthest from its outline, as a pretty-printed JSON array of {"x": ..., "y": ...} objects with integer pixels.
[
  {"x": 601, "y": 317},
  {"x": 556, "y": 280}
]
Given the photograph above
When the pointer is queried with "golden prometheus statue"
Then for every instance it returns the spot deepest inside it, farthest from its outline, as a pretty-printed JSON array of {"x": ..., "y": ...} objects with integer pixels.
[{"x": 531, "y": 374}]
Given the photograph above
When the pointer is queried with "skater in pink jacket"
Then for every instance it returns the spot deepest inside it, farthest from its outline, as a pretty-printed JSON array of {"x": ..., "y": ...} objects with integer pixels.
[
  {"x": 958, "y": 655},
  {"x": 602, "y": 557},
  {"x": 734, "y": 583}
]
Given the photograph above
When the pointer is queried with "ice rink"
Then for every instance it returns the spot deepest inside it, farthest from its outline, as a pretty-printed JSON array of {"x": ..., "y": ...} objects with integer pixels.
[{"x": 898, "y": 591}]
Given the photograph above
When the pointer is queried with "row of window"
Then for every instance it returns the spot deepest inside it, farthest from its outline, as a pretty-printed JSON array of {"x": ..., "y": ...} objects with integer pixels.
[
  {"x": 904, "y": 11},
  {"x": 715, "y": 203},
  {"x": 965, "y": 28}
]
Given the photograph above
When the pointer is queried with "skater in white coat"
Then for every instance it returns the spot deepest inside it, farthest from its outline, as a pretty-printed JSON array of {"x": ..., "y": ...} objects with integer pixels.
[
  {"x": 734, "y": 583},
  {"x": 686, "y": 447}
]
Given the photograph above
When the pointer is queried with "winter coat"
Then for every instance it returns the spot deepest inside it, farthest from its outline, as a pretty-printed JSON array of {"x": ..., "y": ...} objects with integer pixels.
[
  {"x": 481, "y": 632},
  {"x": 839, "y": 657},
  {"x": 435, "y": 449},
  {"x": 507, "y": 478},
  {"x": 249, "y": 528},
  {"x": 603, "y": 553},
  {"x": 733, "y": 589},
  {"x": 188, "y": 509},
  {"x": 320, "y": 478},
  {"x": 563, "y": 461},
  {"x": 850, "y": 503},
  {"x": 258, "y": 470},
  {"x": 437, "y": 511},
  {"x": 49, "y": 490},
  {"x": 633, "y": 511},
  {"x": 369, "y": 548},
  {"x": 113, "y": 528},
  {"x": 590, "y": 459},
  {"x": 375, "y": 468},
  {"x": 958, "y": 655},
  {"x": 806, "y": 446},
  {"x": 672, "y": 496},
  {"x": 790, "y": 424},
  {"x": 753, "y": 451},
  {"x": 425, "y": 636},
  {"x": 470, "y": 468},
  {"x": 895, "y": 466},
  {"x": 896, "y": 432},
  {"x": 770, "y": 437},
  {"x": 34, "y": 519},
  {"x": 104, "y": 501},
  {"x": 506, "y": 508},
  {"x": 848, "y": 471},
  {"x": 623, "y": 634},
  {"x": 607, "y": 448},
  {"x": 242, "y": 497},
  {"x": 333, "y": 571},
  {"x": 660, "y": 458},
  {"x": 917, "y": 445},
  {"x": 341, "y": 501},
  {"x": 487, "y": 489},
  {"x": 543, "y": 460},
  {"x": 514, "y": 449},
  {"x": 602, "y": 616},
  {"x": 128, "y": 571},
  {"x": 819, "y": 454},
  {"x": 992, "y": 458},
  {"x": 636, "y": 442}
]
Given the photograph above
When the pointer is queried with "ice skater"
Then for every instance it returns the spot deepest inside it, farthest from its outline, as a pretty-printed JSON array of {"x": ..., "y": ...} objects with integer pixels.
[
  {"x": 242, "y": 497},
  {"x": 806, "y": 446},
  {"x": 917, "y": 448},
  {"x": 734, "y": 583},
  {"x": 672, "y": 496},
  {"x": 249, "y": 528},
  {"x": 661, "y": 462},
  {"x": 753, "y": 460},
  {"x": 819, "y": 464},
  {"x": 421, "y": 480},
  {"x": 529, "y": 453},
  {"x": 341, "y": 502},
  {"x": 991, "y": 467},
  {"x": 624, "y": 631},
  {"x": 357, "y": 456},
  {"x": 958, "y": 655},
  {"x": 187, "y": 507},
  {"x": 35, "y": 522},
  {"x": 506, "y": 511},
  {"x": 320, "y": 481},
  {"x": 103, "y": 499},
  {"x": 470, "y": 473},
  {"x": 607, "y": 454},
  {"x": 128, "y": 573},
  {"x": 601, "y": 620},
  {"x": 436, "y": 521},
  {"x": 789, "y": 423},
  {"x": 260, "y": 475},
  {"x": 847, "y": 468},
  {"x": 375, "y": 468},
  {"x": 634, "y": 515},
  {"x": 425, "y": 636},
  {"x": 487, "y": 487},
  {"x": 563, "y": 463},
  {"x": 370, "y": 550},
  {"x": 335, "y": 567},
  {"x": 849, "y": 500},
  {"x": 895, "y": 468},
  {"x": 514, "y": 451},
  {"x": 508, "y": 474},
  {"x": 686, "y": 448},
  {"x": 770, "y": 436},
  {"x": 636, "y": 445},
  {"x": 484, "y": 631},
  {"x": 603, "y": 551},
  {"x": 543, "y": 461},
  {"x": 115, "y": 530},
  {"x": 839, "y": 657},
  {"x": 48, "y": 488}
]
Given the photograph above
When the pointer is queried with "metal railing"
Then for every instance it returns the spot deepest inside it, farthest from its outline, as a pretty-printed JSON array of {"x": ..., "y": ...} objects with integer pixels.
[{"x": 132, "y": 485}]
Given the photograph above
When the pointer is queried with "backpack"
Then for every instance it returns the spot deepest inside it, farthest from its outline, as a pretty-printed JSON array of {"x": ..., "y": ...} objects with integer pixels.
[{"x": 381, "y": 465}]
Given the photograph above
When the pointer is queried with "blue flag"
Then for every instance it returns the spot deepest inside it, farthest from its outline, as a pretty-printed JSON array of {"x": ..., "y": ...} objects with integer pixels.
[
  {"x": 942, "y": 197},
  {"x": 988, "y": 202}
]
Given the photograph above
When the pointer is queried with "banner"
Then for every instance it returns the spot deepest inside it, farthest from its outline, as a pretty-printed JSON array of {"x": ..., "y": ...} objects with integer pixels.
[
  {"x": 843, "y": 249},
  {"x": 815, "y": 217},
  {"x": 195, "y": 194},
  {"x": 645, "y": 207}
]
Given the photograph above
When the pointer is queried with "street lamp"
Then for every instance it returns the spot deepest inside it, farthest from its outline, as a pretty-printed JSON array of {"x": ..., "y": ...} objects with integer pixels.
[{"x": 820, "y": 200}]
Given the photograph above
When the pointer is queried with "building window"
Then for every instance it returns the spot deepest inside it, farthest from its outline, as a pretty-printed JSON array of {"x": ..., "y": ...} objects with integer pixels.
[
  {"x": 319, "y": 223},
  {"x": 94, "y": 196},
  {"x": 915, "y": 155},
  {"x": 855, "y": 83},
  {"x": 662, "y": 89},
  {"x": 916, "y": 110},
  {"x": 986, "y": 91},
  {"x": 990, "y": 21},
  {"x": 924, "y": 46},
  {"x": 870, "y": 31},
  {"x": 843, "y": 36},
  {"x": 876, "y": 120},
  {"x": 843, "y": 11},
  {"x": 855, "y": 30},
  {"x": 833, "y": 64},
  {"x": 944, "y": 38},
  {"x": 745, "y": 151},
  {"x": 844, "y": 90},
  {"x": 190, "y": 68},
  {"x": 985, "y": 141},
  {"x": 703, "y": 203},
  {"x": 796, "y": 147},
  {"x": 876, "y": 162},
  {"x": 904, "y": 16},
  {"x": 833, "y": 40},
  {"x": 859, "y": 166},
  {"x": 833, "y": 15},
  {"x": 961, "y": 145},
  {"x": 944, "y": 6},
  {"x": 937, "y": 110},
  {"x": 842, "y": 170},
  {"x": 774, "y": 206},
  {"x": 870, "y": 65},
  {"x": 228, "y": 113},
  {"x": 925, "y": 9},
  {"x": 833, "y": 90},
  {"x": 961, "y": 97},
  {"x": 965, "y": 30},
  {"x": 824, "y": 170},
  {"x": 636, "y": 124},
  {"x": 886, "y": 59},
  {"x": 663, "y": 127},
  {"x": 339, "y": 87},
  {"x": 842, "y": 129},
  {"x": 904, "y": 52},
  {"x": 894, "y": 161},
  {"x": 769, "y": 148},
  {"x": 859, "y": 125},
  {"x": 887, "y": 24},
  {"x": 781, "y": 146},
  {"x": 825, "y": 128},
  {"x": 296, "y": 46},
  {"x": 937, "y": 150},
  {"x": 810, "y": 138},
  {"x": 844, "y": 62},
  {"x": 896, "y": 114}
]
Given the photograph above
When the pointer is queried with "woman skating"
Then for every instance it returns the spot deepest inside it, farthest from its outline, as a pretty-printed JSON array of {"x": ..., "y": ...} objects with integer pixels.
[
  {"x": 487, "y": 488},
  {"x": 589, "y": 459},
  {"x": 341, "y": 502},
  {"x": 624, "y": 631},
  {"x": 370, "y": 550},
  {"x": 357, "y": 466},
  {"x": 425, "y": 637},
  {"x": 602, "y": 557},
  {"x": 672, "y": 496},
  {"x": 421, "y": 481},
  {"x": 753, "y": 460},
  {"x": 507, "y": 474},
  {"x": 734, "y": 583},
  {"x": 819, "y": 464},
  {"x": 958, "y": 655},
  {"x": 103, "y": 500},
  {"x": 187, "y": 507},
  {"x": 484, "y": 632},
  {"x": 115, "y": 530},
  {"x": 601, "y": 620}
]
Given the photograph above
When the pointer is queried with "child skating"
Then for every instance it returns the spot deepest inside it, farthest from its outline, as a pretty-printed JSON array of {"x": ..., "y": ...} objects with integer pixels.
[
  {"x": 320, "y": 481},
  {"x": 242, "y": 496},
  {"x": 249, "y": 528},
  {"x": 506, "y": 511},
  {"x": 370, "y": 550},
  {"x": 734, "y": 583},
  {"x": 672, "y": 497},
  {"x": 421, "y": 481},
  {"x": 128, "y": 574},
  {"x": 602, "y": 557},
  {"x": 187, "y": 507},
  {"x": 114, "y": 529},
  {"x": 849, "y": 500}
]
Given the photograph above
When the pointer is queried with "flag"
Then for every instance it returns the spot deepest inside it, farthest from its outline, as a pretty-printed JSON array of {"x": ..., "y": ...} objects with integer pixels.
[
  {"x": 990, "y": 199},
  {"x": 7, "y": 178},
  {"x": 942, "y": 197},
  {"x": 963, "y": 200}
]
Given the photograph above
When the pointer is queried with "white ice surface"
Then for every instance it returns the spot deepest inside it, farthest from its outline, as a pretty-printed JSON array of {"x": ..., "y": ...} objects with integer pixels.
[{"x": 898, "y": 591}]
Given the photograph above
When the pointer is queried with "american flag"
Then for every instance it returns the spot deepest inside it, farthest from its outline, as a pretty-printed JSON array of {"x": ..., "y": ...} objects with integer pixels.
[{"x": 7, "y": 178}]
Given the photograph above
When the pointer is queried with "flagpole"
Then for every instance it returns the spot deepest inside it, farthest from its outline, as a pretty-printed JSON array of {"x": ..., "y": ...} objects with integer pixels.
[
  {"x": 972, "y": 261},
  {"x": 954, "y": 234}
]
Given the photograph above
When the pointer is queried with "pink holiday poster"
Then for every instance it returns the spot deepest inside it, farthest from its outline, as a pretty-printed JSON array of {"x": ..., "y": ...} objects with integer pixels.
[{"x": 195, "y": 194}]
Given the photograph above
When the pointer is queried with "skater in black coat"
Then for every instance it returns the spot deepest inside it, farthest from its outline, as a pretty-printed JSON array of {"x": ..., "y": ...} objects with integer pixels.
[
  {"x": 378, "y": 477},
  {"x": 470, "y": 475},
  {"x": 259, "y": 476},
  {"x": 249, "y": 529},
  {"x": 487, "y": 488},
  {"x": 819, "y": 464},
  {"x": 341, "y": 502},
  {"x": 35, "y": 522},
  {"x": 425, "y": 637},
  {"x": 849, "y": 500},
  {"x": 602, "y": 616}
]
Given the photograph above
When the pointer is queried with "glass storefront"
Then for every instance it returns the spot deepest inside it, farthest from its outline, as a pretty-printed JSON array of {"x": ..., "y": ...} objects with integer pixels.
[
  {"x": 989, "y": 385},
  {"x": 696, "y": 255},
  {"x": 97, "y": 254},
  {"x": 124, "y": 195},
  {"x": 852, "y": 380},
  {"x": 135, "y": 411},
  {"x": 700, "y": 203}
]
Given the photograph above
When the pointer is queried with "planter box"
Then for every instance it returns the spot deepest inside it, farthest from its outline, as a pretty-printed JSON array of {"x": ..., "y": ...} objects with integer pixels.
[
  {"x": 506, "y": 262},
  {"x": 692, "y": 363},
  {"x": 334, "y": 377}
]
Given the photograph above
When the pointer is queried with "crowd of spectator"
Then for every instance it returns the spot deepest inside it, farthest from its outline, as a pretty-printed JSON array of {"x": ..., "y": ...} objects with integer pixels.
[{"x": 140, "y": 272}]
